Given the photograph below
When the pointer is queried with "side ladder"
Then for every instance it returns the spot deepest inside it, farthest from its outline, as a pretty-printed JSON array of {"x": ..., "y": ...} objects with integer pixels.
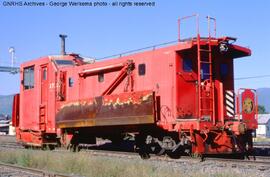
[{"x": 206, "y": 87}]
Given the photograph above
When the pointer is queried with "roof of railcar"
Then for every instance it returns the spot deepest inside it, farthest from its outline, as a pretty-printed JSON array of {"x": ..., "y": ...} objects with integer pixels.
[{"x": 238, "y": 51}]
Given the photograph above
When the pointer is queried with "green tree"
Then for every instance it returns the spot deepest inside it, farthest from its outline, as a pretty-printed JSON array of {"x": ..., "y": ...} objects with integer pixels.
[{"x": 261, "y": 109}]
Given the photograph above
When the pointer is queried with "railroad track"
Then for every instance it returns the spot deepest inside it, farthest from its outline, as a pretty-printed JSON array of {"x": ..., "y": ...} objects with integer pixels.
[
  {"x": 19, "y": 171},
  {"x": 11, "y": 145},
  {"x": 121, "y": 154},
  {"x": 261, "y": 163},
  {"x": 260, "y": 160}
]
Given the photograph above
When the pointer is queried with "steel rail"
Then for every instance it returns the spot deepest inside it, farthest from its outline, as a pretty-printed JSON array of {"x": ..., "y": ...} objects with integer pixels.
[
  {"x": 35, "y": 171},
  {"x": 264, "y": 160},
  {"x": 259, "y": 159},
  {"x": 261, "y": 163}
]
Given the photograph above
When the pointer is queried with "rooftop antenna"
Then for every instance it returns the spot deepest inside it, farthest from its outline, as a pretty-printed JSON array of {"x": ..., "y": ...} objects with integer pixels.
[{"x": 11, "y": 50}]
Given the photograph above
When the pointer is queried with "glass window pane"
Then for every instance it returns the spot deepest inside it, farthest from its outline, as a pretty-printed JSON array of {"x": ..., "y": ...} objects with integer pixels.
[
  {"x": 65, "y": 62},
  {"x": 205, "y": 71},
  {"x": 224, "y": 69},
  {"x": 44, "y": 74},
  {"x": 100, "y": 77},
  {"x": 187, "y": 65},
  {"x": 70, "y": 82},
  {"x": 28, "y": 77},
  {"x": 141, "y": 69}
]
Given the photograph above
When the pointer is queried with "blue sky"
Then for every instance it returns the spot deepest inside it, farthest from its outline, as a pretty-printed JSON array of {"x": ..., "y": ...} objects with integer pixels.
[{"x": 102, "y": 31}]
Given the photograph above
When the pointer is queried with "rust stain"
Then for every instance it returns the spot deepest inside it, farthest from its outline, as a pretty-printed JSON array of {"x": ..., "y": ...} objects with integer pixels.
[
  {"x": 118, "y": 109},
  {"x": 107, "y": 121}
]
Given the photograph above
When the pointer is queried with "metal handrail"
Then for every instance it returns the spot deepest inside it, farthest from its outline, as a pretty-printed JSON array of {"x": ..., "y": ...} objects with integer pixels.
[
  {"x": 188, "y": 17},
  {"x": 209, "y": 25},
  {"x": 153, "y": 47}
]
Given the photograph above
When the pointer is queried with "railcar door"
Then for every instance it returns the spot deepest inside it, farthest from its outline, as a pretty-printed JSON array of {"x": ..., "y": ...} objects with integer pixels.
[
  {"x": 44, "y": 97},
  {"x": 186, "y": 85}
]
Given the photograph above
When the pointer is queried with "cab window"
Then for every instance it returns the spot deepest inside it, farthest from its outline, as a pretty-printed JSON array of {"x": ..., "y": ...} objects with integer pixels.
[
  {"x": 70, "y": 82},
  {"x": 44, "y": 76},
  {"x": 224, "y": 70},
  {"x": 28, "y": 78},
  {"x": 100, "y": 77},
  {"x": 187, "y": 65},
  {"x": 141, "y": 69},
  {"x": 64, "y": 62},
  {"x": 205, "y": 71}
]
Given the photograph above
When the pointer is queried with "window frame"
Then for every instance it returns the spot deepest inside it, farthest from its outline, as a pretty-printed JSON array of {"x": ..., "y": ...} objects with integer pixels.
[
  {"x": 70, "y": 82},
  {"x": 222, "y": 69},
  {"x": 29, "y": 77},
  {"x": 142, "y": 69},
  {"x": 101, "y": 77},
  {"x": 63, "y": 62},
  {"x": 187, "y": 67},
  {"x": 45, "y": 74},
  {"x": 205, "y": 71}
]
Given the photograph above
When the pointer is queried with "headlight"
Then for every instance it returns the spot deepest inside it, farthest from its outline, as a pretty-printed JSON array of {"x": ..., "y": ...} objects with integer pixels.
[{"x": 223, "y": 47}]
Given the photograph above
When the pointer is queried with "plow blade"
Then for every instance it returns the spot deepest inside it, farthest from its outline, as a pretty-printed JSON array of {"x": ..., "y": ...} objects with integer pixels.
[{"x": 129, "y": 108}]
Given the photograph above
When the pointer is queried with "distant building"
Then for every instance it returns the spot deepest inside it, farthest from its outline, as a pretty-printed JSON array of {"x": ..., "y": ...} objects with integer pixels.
[
  {"x": 263, "y": 125},
  {"x": 4, "y": 117},
  {"x": 4, "y": 124}
]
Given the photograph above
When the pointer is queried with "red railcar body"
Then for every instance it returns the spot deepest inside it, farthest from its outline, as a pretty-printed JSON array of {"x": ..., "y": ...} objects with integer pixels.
[{"x": 176, "y": 97}]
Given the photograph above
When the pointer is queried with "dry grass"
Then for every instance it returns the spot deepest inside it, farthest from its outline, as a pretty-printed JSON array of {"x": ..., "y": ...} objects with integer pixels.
[{"x": 95, "y": 166}]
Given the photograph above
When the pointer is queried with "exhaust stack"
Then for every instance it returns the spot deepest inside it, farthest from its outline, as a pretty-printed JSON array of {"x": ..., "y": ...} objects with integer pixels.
[{"x": 63, "y": 43}]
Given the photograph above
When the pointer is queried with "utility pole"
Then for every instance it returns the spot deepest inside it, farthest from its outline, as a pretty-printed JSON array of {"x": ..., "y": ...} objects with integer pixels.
[
  {"x": 11, "y": 50},
  {"x": 11, "y": 69}
]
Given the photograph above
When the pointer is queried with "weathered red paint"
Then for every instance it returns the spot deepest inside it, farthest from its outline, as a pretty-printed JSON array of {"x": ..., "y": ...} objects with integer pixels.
[
  {"x": 120, "y": 109},
  {"x": 16, "y": 110},
  {"x": 163, "y": 93}
]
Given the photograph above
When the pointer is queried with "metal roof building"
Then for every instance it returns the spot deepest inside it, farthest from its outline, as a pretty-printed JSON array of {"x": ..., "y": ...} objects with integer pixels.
[{"x": 263, "y": 125}]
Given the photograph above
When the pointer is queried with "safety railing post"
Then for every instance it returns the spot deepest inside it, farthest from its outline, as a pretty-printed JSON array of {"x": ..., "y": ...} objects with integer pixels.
[
  {"x": 184, "y": 18},
  {"x": 209, "y": 25}
]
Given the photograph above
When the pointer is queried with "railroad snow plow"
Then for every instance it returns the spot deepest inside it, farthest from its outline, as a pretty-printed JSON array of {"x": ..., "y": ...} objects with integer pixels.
[{"x": 174, "y": 99}]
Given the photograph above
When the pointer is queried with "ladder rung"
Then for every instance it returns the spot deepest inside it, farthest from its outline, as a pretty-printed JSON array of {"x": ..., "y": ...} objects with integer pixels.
[
  {"x": 205, "y": 50},
  {"x": 205, "y": 59},
  {"x": 207, "y": 62},
  {"x": 208, "y": 74}
]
